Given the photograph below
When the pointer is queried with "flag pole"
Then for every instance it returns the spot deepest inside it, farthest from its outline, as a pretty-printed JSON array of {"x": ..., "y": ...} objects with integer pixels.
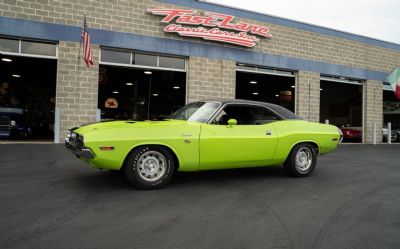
[{"x": 80, "y": 48}]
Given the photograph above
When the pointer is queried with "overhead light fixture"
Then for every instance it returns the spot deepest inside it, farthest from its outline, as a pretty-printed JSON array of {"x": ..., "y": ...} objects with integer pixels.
[
  {"x": 16, "y": 76},
  {"x": 129, "y": 83},
  {"x": 176, "y": 87},
  {"x": 155, "y": 94},
  {"x": 292, "y": 86},
  {"x": 6, "y": 59},
  {"x": 115, "y": 92},
  {"x": 276, "y": 95},
  {"x": 253, "y": 82},
  {"x": 148, "y": 72},
  {"x": 255, "y": 93}
]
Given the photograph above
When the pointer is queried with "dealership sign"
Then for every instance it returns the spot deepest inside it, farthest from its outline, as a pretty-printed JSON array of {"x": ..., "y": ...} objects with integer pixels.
[{"x": 211, "y": 26}]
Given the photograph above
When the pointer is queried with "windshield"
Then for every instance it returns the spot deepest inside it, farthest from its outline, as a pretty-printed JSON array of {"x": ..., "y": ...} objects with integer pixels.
[{"x": 198, "y": 112}]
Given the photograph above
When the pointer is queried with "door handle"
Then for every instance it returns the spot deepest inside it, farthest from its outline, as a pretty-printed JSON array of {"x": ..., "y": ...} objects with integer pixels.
[{"x": 268, "y": 133}]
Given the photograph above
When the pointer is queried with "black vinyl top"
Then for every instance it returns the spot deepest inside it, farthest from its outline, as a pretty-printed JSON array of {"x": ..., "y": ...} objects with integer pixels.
[{"x": 283, "y": 112}]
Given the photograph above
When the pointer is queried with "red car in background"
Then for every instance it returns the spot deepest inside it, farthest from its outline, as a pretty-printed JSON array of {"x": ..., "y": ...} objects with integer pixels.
[{"x": 352, "y": 134}]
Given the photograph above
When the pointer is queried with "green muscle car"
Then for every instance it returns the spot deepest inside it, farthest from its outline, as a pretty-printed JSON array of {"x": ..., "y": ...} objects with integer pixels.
[{"x": 204, "y": 135}]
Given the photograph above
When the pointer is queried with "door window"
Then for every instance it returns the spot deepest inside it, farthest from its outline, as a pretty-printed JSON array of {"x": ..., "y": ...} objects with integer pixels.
[{"x": 245, "y": 115}]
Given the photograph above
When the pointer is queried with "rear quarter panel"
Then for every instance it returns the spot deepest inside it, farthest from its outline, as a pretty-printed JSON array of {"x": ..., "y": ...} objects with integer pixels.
[{"x": 292, "y": 132}]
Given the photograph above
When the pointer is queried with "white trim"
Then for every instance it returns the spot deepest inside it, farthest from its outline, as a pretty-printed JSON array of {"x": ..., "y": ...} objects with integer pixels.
[
  {"x": 268, "y": 73},
  {"x": 141, "y": 67},
  {"x": 346, "y": 80},
  {"x": 32, "y": 55}
]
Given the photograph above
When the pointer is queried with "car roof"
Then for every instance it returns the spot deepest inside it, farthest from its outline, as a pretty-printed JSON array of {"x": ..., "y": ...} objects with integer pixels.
[{"x": 285, "y": 113}]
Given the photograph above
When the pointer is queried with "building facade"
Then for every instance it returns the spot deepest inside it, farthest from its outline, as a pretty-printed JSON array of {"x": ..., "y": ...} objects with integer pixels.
[{"x": 304, "y": 57}]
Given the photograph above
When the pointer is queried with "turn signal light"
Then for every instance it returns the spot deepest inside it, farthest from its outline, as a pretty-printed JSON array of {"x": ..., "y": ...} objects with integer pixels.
[{"x": 106, "y": 148}]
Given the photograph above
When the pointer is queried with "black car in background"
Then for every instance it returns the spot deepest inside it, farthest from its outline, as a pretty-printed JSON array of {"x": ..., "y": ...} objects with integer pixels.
[{"x": 12, "y": 123}]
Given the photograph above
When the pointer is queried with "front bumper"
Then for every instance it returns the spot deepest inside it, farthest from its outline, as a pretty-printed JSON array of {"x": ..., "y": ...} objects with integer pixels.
[{"x": 75, "y": 145}]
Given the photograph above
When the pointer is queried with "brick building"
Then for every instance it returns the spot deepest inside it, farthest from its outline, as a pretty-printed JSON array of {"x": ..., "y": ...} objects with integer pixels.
[{"x": 322, "y": 74}]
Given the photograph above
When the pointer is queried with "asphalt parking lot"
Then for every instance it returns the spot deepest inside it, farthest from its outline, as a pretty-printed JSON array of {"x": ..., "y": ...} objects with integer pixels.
[{"x": 49, "y": 199}]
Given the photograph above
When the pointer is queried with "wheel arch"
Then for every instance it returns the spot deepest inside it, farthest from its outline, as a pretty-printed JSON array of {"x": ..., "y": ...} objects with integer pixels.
[
  {"x": 312, "y": 142},
  {"x": 162, "y": 145}
]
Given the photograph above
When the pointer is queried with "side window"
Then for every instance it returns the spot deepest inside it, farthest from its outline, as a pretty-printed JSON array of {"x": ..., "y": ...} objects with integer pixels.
[
  {"x": 262, "y": 115},
  {"x": 245, "y": 115}
]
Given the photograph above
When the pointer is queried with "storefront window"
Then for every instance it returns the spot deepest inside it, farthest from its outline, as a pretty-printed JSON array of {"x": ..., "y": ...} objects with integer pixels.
[
  {"x": 145, "y": 60},
  {"x": 29, "y": 47},
  {"x": 171, "y": 62},
  {"x": 115, "y": 56},
  {"x": 8, "y": 45},
  {"x": 138, "y": 59}
]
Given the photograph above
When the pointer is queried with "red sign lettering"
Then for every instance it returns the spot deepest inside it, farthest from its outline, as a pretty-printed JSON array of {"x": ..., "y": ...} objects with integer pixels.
[{"x": 214, "y": 28}]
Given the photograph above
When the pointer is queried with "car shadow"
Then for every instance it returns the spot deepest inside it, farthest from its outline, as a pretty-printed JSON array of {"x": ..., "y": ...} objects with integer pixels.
[{"x": 113, "y": 180}]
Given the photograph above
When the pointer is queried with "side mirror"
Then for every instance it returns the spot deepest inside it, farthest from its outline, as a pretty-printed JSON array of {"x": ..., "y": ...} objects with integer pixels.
[{"x": 232, "y": 122}]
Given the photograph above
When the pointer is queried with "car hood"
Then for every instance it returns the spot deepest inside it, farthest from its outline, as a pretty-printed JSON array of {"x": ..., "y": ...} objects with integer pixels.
[{"x": 108, "y": 125}]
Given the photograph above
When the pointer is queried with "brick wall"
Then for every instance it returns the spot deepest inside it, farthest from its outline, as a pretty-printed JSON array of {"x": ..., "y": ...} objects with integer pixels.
[
  {"x": 77, "y": 87},
  {"x": 373, "y": 102},
  {"x": 210, "y": 78},
  {"x": 131, "y": 17},
  {"x": 307, "y": 95}
]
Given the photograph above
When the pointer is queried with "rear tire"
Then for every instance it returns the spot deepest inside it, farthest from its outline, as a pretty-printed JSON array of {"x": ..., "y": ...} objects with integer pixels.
[
  {"x": 301, "y": 160},
  {"x": 394, "y": 137},
  {"x": 149, "y": 167}
]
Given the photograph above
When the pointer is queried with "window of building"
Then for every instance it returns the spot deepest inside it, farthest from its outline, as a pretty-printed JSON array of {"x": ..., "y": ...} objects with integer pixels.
[
  {"x": 40, "y": 49},
  {"x": 115, "y": 56},
  {"x": 111, "y": 56},
  {"x": 9, "y": 45}
]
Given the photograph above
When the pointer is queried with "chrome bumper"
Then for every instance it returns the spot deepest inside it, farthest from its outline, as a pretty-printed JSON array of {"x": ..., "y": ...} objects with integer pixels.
[{"x": 78, "y": 149}]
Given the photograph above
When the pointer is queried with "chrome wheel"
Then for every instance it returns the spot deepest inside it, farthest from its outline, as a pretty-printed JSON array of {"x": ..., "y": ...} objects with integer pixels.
[
  {"x": 393, "y": 137},
  {"x": 304, "y": 157},
  {"x": 151, "y": 166}
]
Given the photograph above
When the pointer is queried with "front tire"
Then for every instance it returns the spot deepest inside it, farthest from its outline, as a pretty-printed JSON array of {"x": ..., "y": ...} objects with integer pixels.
[
  {"x": 149, "y": 167},
  {"x": 301, "y": 160}
]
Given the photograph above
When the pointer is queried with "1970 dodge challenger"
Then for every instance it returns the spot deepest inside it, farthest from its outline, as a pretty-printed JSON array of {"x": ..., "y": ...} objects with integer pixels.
[{"x": 204, "y": 135}]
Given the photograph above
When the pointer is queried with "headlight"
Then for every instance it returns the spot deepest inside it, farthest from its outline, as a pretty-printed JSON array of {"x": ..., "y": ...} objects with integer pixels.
[{"x": 13, "y": 122}]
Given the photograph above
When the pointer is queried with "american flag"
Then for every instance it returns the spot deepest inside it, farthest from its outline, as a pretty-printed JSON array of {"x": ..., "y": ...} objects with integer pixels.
[{"x": 87, "y": 48}]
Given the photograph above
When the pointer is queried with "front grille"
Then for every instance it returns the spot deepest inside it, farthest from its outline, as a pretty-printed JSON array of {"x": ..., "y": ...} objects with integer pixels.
[{"x": 76, "y": 142}]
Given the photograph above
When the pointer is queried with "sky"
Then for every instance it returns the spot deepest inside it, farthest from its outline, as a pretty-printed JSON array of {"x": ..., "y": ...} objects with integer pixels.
[{"x": 378, "y": 19}]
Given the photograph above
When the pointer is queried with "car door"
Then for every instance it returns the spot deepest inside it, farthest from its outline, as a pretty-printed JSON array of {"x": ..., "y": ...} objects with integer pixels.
[{"x": 251, "y": 142}]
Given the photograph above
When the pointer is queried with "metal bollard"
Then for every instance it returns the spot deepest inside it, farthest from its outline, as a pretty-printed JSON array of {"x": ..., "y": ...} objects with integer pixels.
[
  {"x": 98, "y": 115},
  {"x": 389, "y": 133},
  {"x": 374, "y": 134},
  {"x": 57, "y": 125}
]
